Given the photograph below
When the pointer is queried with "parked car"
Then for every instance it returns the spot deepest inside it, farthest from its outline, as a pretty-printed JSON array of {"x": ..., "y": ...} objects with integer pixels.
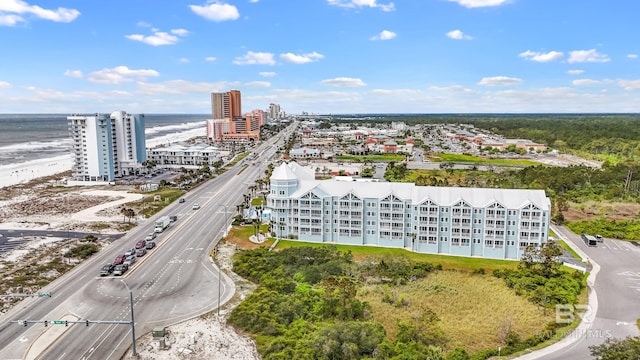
[
  {"x": 141, "y": 244},
  {"x": 150, "y": 245},
  {"x": 130, "y": 252},
  {"x": 195, "y": 206},
  {"x": 107, "y": 269},
  {"x": 181, "y": 200},
  {"x": 130, "y": 260},
  {"x": 120, "y": 270},
  {"x": 119, "y": 259},
  {"x": 141, "y": 252}
]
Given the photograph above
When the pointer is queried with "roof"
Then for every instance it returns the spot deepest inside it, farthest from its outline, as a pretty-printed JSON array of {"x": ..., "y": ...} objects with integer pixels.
[{"x": 292, "y": 171}]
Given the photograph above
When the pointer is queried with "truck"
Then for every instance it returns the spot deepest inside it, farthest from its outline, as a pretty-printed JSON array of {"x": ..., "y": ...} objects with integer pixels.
[{"x": 162, "y": 223}]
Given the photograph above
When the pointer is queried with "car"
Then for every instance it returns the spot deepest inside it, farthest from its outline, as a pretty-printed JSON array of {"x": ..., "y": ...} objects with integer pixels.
[
  {"x": 130, "y": 252},
  {"x": 150, "y": 245},
  {"x": 141, "y": 252},
  {"x": 181, "y": 200},
  {"x": 119, "y": 259},
  {"x": 107, "y": 269},
  {"x": 141, "y": 244},
  {"x": 195, "y": 206},
  {"x": 130, "y": 260},
  {"x": 173, "y": 218},
  {"x": 120, "y": 270},
  {"x": 151, "y": 235},
  {"x": 599, "y": 238}
]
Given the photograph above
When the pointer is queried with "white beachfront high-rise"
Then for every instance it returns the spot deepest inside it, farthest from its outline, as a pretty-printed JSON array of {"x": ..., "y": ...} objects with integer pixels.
[
  {"x": 107, "y": 146},
  {"x": 483, "y": 222}
]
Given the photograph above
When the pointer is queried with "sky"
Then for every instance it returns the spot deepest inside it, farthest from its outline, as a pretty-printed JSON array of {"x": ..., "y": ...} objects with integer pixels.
[{"x": 320, "y": 56}]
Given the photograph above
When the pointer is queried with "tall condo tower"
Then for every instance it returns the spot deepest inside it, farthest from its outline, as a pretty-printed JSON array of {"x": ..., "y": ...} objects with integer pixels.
[{"x": 107, "y": 146}]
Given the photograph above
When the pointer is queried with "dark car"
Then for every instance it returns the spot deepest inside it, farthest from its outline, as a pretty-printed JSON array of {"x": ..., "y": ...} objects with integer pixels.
[
  {"x": 173, "y": 218},
  {"x": 181, "y": 200},
  {"x": 141, "y": 244},
  {"x": 119, "y": 259},
  {"x": 150, "y": 245},
  {"x": 107, "y": 269}
]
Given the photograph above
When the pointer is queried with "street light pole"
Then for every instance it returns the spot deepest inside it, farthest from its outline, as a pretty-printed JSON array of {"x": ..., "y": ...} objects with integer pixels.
[{"x": 133, "y": 324}]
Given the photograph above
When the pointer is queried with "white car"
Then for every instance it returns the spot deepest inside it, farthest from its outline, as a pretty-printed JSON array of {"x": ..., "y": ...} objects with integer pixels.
[{"x": 195, "y": 207}]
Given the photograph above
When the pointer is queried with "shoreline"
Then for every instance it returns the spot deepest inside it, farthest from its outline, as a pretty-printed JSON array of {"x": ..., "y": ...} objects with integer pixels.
[{"x": 21, "y": 173}]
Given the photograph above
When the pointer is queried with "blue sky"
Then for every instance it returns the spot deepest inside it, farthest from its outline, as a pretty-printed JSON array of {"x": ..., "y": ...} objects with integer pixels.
[{"x": 320, "y": 56}]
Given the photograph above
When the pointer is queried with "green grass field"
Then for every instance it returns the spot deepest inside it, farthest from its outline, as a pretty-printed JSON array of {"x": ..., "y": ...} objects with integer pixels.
[
  {"x": 462, "y": 158},
  {"x": 447, "y": 262}
]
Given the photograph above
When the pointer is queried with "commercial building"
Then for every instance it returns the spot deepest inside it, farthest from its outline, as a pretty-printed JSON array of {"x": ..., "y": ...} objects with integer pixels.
[
  {"x": 107, "y": 146},
  {"x": 187, "y": 156},
  {"x": 490, "y": 223}
]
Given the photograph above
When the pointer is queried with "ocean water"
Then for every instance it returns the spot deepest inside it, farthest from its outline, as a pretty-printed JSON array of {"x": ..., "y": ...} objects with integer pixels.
[{"x": 28, "y": 137}]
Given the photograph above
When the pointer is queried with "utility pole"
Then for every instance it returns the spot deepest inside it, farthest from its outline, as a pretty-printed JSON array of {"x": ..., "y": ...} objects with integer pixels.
[{"x": 133, "y": 323}]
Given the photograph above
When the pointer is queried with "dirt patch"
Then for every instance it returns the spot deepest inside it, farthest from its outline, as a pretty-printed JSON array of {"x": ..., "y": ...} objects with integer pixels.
[
  {"x": 239, "y": 241},
  {"x": 610, "y": 211}
]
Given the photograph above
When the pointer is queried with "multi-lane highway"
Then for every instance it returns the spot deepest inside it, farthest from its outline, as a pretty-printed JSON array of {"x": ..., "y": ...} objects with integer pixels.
[{"x": 173, "y": 282}]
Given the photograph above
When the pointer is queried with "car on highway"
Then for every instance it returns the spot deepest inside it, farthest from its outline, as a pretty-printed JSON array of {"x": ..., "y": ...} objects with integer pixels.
[
  {"x": 181, "y": 200},
  {"x": 119, "y": 259},
  {"x": 130, "y": 260},
  {"x": 120, "y": 270},
  {"x": 195, "y": 206},
  {"x": 141, "y": 252},
  {"x": 107, "y": 270},
  {"x": 150, "y": 245},
  {"x": 130, "y": 252},
  {"x": 173, "y": 218},
  {"x": 151, "y": 236},
  {"x": 141, "y": 244}
]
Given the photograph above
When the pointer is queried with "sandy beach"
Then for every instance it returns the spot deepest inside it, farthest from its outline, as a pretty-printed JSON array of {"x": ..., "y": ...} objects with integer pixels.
[{"x": 23, "y": 172}]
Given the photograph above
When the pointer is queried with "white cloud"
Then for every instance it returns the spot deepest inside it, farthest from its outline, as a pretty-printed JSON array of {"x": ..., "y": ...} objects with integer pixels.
[
  {"x": 216, "y": 11},
  {"x": 302, "y": 58},
  {"x": 4, "y": 85},
  {"x": 258, "y": 84},
  {"x": 384, "y": 35},
  {"x": 120, "y": 74},
  {"x": 159, "y": 37},
  {"x": 179, "y": 87},
  {"x": 143, "y": 24},
  {"x": 499, "y": 81},
  {"x": 362, "y": 3},
  {"x": 210, "y": 58},
  {"x": 255, "y": 58},
  {"x": 180, "y": 32},
  {"x": 458, "y": 35},
  {"x": 254, "y": 1},
  {"x": 73, "y": 73},
  {"x": 267, "y": 73},
  {"x": 541, "y": 57},
  {"x": 632, "y": 56},
  {"x": 21, "y": 7},
  {"x": 479, "y": 3},
  {"x": 10, "y": 20},
  {"x": 452, "y": 89},
  {"x": 630, "y": 85},
  {"x": 591, "y": 55},
  {"x": 575, "y": 72},
  {"x": 581, "y": 82},
  {"x": 183, "y": 60},
  {"x": 393, "y": 91},
  {"x": 343, "y": 82}
]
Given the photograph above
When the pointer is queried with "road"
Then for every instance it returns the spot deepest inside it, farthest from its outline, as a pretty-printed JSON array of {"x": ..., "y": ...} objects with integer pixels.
[
  {"x": 617, "y": 288},
  {"x": 173, "y": 282}
]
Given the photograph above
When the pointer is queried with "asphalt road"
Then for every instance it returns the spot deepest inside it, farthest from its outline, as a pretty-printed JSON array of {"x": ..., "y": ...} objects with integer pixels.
[
  {"x": 173, "y": 282},
  {"x": 617, "y": 287}
]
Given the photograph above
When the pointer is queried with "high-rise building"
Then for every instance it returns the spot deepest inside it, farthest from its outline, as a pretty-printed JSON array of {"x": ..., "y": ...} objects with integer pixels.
[
  {"x": 226, "y": 105},
  {"x": 107, "y": 146},
  {"x": 274, "y": 111}
]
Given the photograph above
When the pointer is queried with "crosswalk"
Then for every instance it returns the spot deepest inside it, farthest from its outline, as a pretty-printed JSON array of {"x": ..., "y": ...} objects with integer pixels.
[{"x": 619, "y": 246}]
